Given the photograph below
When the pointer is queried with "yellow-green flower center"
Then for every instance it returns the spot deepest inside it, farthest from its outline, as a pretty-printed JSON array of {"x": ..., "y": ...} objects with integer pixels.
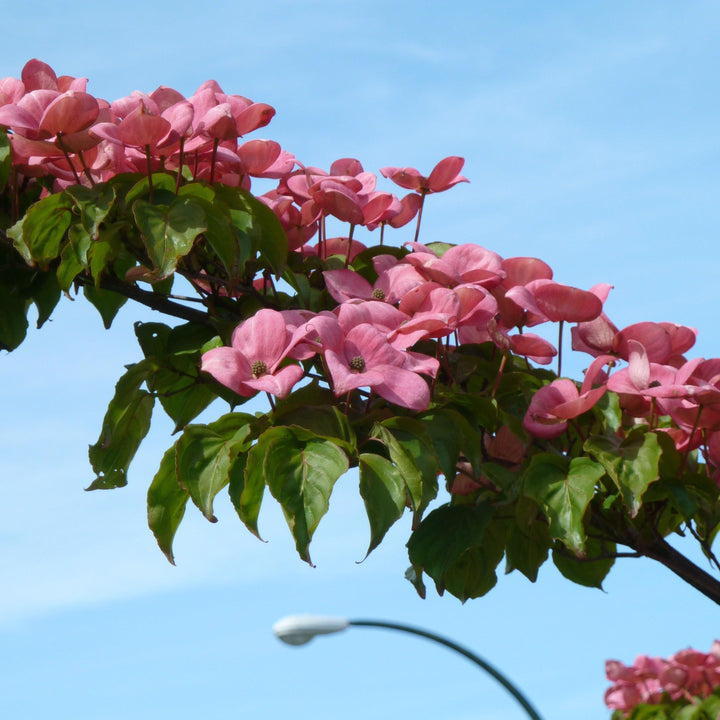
[
  {"x": 259, "y": 368},
  {"x": 357, "y": 364}
]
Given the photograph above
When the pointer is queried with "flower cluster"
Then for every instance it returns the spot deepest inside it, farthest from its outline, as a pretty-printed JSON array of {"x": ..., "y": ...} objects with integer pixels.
[
  {"x": 356, "y": 354},
  {"x": 472, "y": 295},
  {"x": 366, "y": 340},
  {"x": 657, "y": 387},
  {"x": 459, "y": 295},
  {"x": 687, "y": 675},
  {"x": 59, "y": 130},
  {"x": 411, "y": 361}
]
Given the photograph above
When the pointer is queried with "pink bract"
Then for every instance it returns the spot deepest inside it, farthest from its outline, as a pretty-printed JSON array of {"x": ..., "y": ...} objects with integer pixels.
[
  {"x": 443, "y": 176},
  {"x": 259, "y": 345},
  {"x": 554, "y": 404},
  {"x": 565, "y": 303},
  {"x": 366, "y": 359}
]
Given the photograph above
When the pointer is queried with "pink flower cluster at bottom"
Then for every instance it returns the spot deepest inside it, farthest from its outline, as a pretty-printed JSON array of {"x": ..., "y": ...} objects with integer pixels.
[{"x": 652, "y": 680}]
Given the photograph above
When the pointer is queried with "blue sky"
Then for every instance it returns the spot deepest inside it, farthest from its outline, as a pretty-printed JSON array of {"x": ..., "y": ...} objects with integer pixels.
[{"x": 590, "y": 132}]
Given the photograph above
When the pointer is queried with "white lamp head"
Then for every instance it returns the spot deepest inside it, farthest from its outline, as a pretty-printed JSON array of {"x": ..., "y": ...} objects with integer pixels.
[{"x": 301, "y": 629}]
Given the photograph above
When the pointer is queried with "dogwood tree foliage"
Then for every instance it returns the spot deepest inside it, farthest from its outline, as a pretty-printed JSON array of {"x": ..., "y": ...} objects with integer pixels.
[{"x": 413, "y": 362}]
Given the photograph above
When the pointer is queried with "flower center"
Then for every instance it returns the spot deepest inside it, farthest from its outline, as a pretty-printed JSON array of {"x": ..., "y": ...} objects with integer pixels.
[
  {"x": 378, "y": 294},
  {"x": 357, "y": 364},
  {"x": 259, "y": 368}
]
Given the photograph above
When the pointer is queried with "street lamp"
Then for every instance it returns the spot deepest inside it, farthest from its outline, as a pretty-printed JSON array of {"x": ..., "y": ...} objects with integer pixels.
[{"x": 301, "y": 629}]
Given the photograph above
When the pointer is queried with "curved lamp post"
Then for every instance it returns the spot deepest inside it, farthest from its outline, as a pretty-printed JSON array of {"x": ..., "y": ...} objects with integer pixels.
[{"x": 301, "y": 629}]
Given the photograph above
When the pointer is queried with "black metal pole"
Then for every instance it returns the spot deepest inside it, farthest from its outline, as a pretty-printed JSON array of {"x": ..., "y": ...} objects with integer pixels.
[{"x": 529, "y": 709}]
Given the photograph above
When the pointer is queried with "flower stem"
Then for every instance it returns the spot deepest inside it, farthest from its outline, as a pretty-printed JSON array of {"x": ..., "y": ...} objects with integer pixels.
[
  {"x": 67, "y": 157},
  {"x": 86, "y": 169},
  {"x": 349, "y": 248},
  {"x": 560, "y": 339},
  {"x": 216, "y": 142},
  {"x": 149, "y": 172},
  {"x": 180, "y": 165},
  {"x": 419, "y": 218}
]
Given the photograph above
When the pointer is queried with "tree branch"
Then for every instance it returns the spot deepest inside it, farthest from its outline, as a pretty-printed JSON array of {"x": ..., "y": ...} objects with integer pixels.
[
  {"x": 675, "y": 561},
  {"x": 151, "y": 299},
  {"x": 657, "y": 548}
]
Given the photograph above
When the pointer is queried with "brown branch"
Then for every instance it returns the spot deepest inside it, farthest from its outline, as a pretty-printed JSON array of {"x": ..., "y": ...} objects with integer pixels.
[
  {"x": 153, "y": 300},
  {"x": 661, "y": 550},
  {"x": 657, "y": 548}
]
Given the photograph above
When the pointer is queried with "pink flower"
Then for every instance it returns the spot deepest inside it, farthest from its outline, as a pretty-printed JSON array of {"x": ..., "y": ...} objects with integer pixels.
[
  {"x": 557, "y": 302},
  {"x": 554, "y": 404},
  {"x": 265, "y": 158},
  {"x": 409, "y": 207},
  {"x": 686, "y": 674},
  {"x": 622, "y": 696},
  {"x": 643, "y": 380},
  {"x": 475, "y": 264},
  {"x": 252, "y": 363},
  {"x": 443, "y": 176},
  {"x": 365, "y": 359},
  {"x": 664, "y": 342}
]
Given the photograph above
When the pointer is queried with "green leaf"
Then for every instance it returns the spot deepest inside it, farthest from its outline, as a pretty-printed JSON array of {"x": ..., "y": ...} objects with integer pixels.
[
  {"x": 382, "y": 489},
  {"x": 608, "y": 409},
  {"x": 106, "y": 302},
  {"x": 189, "y": 338},
  {"x": 711, "y": 706},
  {"x": 528, "y": 540},
  {"x": 126, "y": 423},
  {"x": 632, "y": 463},
  {"x": 94, "y": 205},
  {"x": 641, "y": 456},
  {"x": 411, "y": 450},
  {"x": 13, "y": 317},
  {"x": 181, "y": 391},
  {"x": 15, "y": 232},
  {"x": 481, "y": 412},
  {"x": 473, "y": 574},
  {"x": 326, "y": 420},
  {"x": 606, "y": 450},
  {"x": 104, "y": 251},
  {"x": 44, "y": 227},
  {"x": 221, "y": 235},
  {"x": 203, "y": 457},
  {"x": 516, "y": 389},
  {"x": 691, "y": 712},
  {"x": 300, "y": 470},
  {"x": 153, "y": 337},
  {"x": 589, "y": 571},
  {"x": 644, "y": 712},
  {"x": 166, "y": 501},
  {"x": 448, "y": 547},
  {"x": 169, "y": 231},
  {"x": 246, "y": 493},
  {"x": 362, "y": 263},
  {"x": 272, "y": 240},
  {"x": 301, "y": 285},
  {"x": 563, "y": 491},
  {"x": 199, "y": 190},
  {"x": 415, "y": 576},
  {"x": 5, "y": 159},
  {"x": 452, "y": 435},
  {"x": 504, "y": 478},
  {"x": 45, "y": 293},
  {"x": 74, "y": 255},
  {"x": 163, "y": 187},
  {"x": 257, "y": 225}
]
